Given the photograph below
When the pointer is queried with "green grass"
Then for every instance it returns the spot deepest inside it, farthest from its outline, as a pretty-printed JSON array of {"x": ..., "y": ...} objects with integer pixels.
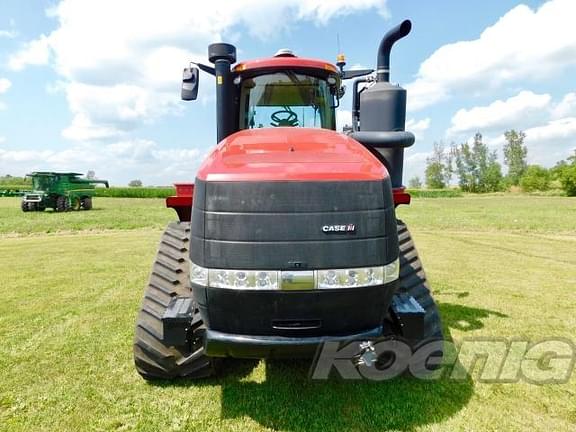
[
  {"x": 500, "y": 266},
  {"x": 435, "y": 193},
  {"x": 107, "y": 214}
]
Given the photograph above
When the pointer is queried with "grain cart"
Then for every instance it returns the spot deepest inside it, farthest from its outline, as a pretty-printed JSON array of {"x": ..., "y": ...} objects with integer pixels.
[
  {"x": 288, "y": 237},
  {"x": 60, "y": 191}
]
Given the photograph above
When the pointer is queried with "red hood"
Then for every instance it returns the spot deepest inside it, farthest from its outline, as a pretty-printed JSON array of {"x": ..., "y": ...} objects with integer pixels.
[{"x": 290, "y": 154}]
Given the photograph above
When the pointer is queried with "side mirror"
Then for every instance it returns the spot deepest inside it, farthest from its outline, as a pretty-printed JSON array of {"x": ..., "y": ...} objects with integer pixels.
[{"x": 190, "y": 83}]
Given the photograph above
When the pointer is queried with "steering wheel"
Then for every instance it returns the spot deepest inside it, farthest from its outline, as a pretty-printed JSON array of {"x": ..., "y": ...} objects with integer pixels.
[{"x": 289, "y": 118}]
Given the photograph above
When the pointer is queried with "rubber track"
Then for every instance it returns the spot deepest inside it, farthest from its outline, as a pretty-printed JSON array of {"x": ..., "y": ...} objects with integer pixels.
[
  {"x": 169, "y": 278},
  {"x": 413, "y": 282}
]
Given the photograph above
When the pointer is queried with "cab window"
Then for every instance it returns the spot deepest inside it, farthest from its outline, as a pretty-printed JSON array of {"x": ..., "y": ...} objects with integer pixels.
[{"x": 286, "y": 99}]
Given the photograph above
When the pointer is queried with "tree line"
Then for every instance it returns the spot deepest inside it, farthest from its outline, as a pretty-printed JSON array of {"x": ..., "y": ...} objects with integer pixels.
[{"x": 477, "y": 169}]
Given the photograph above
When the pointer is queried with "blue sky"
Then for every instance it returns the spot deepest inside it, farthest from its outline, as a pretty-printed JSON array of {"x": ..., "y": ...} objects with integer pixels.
[{"x": 90, "y": 85}]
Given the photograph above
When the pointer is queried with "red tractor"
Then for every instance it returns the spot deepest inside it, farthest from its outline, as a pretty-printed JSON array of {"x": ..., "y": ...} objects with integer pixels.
[{"x": 288, "y": 237}]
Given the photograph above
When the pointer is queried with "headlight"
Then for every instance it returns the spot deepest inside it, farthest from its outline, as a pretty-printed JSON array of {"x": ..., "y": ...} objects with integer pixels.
[
  {"x": 358, "y": 277},
  {"x": 248, "y": 279},
  {"x": 348, "y": 278},
  {"x": 198, "y": 275},
  {"x": 271, "y": 279}
]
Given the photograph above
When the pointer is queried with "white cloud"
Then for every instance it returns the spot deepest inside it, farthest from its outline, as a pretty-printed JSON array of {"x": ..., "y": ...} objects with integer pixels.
[
  {"x": 523, "y": 44},
  {"x": 110, "y": 111},
  {"x": 414, "y": 164},
  {"x": 11, "y": 33},
  {"x": 418, "y": 127},
  {"x": 5, "y": 84},
  {"x": 2, "y": 139},
  {"x": 8, "y": 34},
  {"x": 566, "y": 107},
  {"x": 547, "y": 143},
  {"x": 120, "y": 161},
  {"x": 343, "y": 118},
  {"x": 551, "y": 142},
  {"x": 520, "y": 111},
  {"x": 35, "y": 52},
  {"x": 550, "y": 126},
  {"x": 121, "y": 61}
]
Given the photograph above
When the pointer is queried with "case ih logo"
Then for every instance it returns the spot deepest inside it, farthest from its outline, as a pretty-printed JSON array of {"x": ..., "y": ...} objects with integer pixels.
[{"x": 349, "y": 228}]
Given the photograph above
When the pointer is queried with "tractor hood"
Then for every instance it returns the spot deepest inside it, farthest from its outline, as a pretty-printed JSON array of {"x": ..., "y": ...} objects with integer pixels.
[{"x": 290, "y": 154}]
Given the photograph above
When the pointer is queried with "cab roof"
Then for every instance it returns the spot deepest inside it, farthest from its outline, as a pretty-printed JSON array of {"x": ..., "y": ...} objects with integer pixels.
[
  {"x": 285, "y": 62},
  {"x": 48, "y": 173}
]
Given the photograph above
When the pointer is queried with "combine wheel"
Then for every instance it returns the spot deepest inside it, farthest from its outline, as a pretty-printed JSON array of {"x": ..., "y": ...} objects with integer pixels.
[
  {"x": 62, "y": 204},
  {"x": 76, "y": 203},
  {"x": 170, "y": 277},
  {"x": 24, "y": 206},
  {"x": 86, "y": 203}
]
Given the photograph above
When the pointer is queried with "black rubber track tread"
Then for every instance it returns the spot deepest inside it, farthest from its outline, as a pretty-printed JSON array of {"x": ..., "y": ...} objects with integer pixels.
[
  {"x": 171, "y": 256},
  {"x": 169, "y": 278},
  {"x": 413, "y": 282}
]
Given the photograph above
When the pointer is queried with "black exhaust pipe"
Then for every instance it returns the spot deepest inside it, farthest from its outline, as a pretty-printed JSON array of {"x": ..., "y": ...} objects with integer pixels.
[
  {"x": 223, "y": 55},
  {"x": 379, "y": 111},
  {"x": 390, "y": 38}
]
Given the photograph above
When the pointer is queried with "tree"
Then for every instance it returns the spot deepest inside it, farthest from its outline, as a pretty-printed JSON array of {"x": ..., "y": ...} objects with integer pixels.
[
  {"x": 438, "y": 171},
  {"x": 535, "y": 178},
  {"x": 515, "y": 153},
  {"x": 477, "y": 168},
  {"x": 135, "y": 183},
  {"x": 415, "y": 183},
  {"x": 492, "y": 180},
  {"x": 566, "y": 173}
]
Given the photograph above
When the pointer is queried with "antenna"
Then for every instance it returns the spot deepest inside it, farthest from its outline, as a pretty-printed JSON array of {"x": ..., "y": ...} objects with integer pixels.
[{"x": 340, "y": 58}]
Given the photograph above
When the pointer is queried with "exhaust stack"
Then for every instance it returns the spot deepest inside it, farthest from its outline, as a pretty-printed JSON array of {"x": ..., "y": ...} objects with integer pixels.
[
  {"x": 223, "y": 55},
  {"x": 388, "y": 41},
  {"x": 379, "y": 111}
]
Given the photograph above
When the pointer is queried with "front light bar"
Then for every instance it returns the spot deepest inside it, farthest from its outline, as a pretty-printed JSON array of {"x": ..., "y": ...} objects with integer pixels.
[{"x": 272, "y": 279}]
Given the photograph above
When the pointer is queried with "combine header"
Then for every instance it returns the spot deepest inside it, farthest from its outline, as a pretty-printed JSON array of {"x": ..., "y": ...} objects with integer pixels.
[
  {"x": 60, "y": 191},
  {"x": 288, "y": 237}
]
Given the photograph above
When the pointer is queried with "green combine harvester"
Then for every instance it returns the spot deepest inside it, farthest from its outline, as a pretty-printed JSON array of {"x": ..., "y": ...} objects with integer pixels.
[{"x": 60, "y": 191}]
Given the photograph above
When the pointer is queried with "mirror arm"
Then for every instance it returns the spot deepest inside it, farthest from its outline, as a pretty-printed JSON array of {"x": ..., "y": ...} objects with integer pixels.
[
  {"x": 355, "y": 73},
  {"x": 208, "y": 69}
]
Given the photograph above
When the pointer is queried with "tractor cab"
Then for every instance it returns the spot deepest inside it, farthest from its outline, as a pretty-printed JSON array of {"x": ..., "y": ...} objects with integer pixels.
[
  {"x": 42, "y": 182},
  {"x": 279, "y": 91},
  {"x": 286, "y": 91}
]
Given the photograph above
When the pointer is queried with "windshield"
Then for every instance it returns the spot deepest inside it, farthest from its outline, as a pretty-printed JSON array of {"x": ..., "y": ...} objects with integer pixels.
[
  {"x": 42, "y": 182},
  {"x": 286, "y": 99}
]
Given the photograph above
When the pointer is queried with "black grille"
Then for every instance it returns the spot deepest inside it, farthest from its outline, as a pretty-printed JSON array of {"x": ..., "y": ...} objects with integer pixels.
[{"x": 278, "y": 225}]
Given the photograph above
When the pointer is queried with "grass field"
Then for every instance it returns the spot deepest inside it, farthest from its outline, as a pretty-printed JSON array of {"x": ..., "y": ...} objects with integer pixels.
[{"x": 71, "y": 284}]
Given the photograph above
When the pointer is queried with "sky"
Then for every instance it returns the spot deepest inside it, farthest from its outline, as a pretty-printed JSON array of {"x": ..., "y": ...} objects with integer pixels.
[{"x": 95, "y": 85}]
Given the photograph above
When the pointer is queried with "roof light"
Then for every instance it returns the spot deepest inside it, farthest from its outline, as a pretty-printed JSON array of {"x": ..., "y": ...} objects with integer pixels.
[{"x": 284, "y": 52}]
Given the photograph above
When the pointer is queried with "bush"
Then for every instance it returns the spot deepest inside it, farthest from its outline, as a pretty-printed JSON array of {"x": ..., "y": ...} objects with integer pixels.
[
  {"x": 567, "y": 177},
  {"x": 535, "y": 178}
]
